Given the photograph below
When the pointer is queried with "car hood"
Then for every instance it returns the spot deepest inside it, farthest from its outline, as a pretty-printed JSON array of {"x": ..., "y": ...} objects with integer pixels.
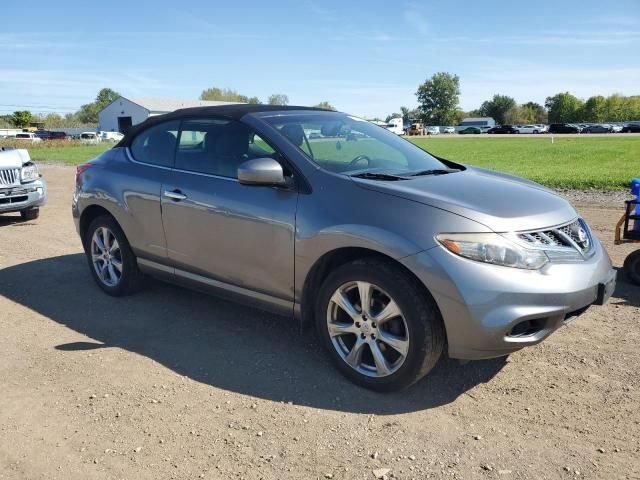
[
  {"x": 499, "y": 201},
  {"x": 14, "y": 158}
]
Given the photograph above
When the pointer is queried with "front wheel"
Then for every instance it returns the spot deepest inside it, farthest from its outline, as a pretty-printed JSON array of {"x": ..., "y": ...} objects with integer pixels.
[
  {"x": 30, "y": 214},
  {"x": 382, "y": 330}
]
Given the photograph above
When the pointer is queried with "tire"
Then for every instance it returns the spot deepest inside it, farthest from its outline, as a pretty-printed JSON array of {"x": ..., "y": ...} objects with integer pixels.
[
  {"x": 126, "y": 279},
  {"x": 631, "y": 267},
  {"x": 417, "y": 331},
  {"x": 30, "y": 214}
]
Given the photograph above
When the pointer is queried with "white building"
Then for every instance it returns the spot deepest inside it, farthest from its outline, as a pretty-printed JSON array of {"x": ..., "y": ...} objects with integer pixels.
[{"x": 123, "y": 112}]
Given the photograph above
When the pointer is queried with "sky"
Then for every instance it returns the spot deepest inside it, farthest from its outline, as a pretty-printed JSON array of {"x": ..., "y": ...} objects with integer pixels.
[{"x": 365, "y": 57}]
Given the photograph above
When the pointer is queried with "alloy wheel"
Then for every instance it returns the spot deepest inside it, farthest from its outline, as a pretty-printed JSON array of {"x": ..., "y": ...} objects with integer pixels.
[
  {"x": 367, "y": 329},
  {"x": 106, "y": 256}
]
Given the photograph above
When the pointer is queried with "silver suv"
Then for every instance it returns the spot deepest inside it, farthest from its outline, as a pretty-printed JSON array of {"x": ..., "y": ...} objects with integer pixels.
[
  {"x": 22, "y": 188},
  {"x": 392, "y": 253}
]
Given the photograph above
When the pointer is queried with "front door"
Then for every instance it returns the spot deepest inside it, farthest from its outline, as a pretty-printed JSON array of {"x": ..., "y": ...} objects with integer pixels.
[
  {"x": 217, "y": 228},
  {"x": 124, "y": 124}
]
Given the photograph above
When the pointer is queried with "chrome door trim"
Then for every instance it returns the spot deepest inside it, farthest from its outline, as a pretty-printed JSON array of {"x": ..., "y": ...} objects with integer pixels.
[{"x": 265, "y": 301}]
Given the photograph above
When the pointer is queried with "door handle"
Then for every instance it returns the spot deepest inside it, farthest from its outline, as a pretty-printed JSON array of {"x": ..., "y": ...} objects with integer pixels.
[{"x": 176, "y": 195}]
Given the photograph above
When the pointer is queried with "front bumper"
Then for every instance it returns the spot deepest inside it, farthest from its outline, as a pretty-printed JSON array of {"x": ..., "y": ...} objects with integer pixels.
[
  {"x": 23, "y": 197},
  {"x": 491, "y": 311}
]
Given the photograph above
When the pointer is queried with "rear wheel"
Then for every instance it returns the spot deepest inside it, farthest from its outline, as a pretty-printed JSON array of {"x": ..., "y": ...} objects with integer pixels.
[
  {"x": 632, "y": 267},
  {"x": 381, "y": 329},
  {"x": 112, "y": 263},
  {"x": 30, "y": 214}
]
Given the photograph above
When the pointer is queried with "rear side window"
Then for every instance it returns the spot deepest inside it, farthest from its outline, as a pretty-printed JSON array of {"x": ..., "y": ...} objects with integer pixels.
[
  {"x": 217, "y": 146},
  {"x": 156, "y": 145}
]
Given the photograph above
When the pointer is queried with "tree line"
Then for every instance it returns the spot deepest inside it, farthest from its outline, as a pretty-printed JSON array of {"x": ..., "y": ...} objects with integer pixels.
[
  {"x": 438, "y": 104},
  {"x": 87, "y": 115},
  {"x": 230, "y": 95}
]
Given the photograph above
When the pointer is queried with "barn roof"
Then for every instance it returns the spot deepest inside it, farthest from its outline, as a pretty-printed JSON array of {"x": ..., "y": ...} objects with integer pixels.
[{"x": 165, "y": 105}]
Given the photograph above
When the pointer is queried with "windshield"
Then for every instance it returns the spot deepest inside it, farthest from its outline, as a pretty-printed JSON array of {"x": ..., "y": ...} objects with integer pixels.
[{"x": 344, "y": 144}]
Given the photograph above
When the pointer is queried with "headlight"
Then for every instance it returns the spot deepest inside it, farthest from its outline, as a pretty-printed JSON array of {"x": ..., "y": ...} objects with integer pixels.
[
  {"x": 492, "y": 248},
  {"x": 29, "y": 173}
]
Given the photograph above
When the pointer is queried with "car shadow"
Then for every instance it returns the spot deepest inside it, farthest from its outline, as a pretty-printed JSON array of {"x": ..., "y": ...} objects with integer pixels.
[
  {"x": 223, "y": 344},
  {"x": 626, "y": 293},
  {"x": 12, "y": 219}
]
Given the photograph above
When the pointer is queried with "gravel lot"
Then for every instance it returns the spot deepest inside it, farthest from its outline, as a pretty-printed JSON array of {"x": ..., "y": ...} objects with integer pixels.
[{"x": 175, "y": 384}]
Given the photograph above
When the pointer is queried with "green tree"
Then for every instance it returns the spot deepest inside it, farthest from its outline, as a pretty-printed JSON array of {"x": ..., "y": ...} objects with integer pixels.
[
  {"x": 88, "y": 113},
  {"x": 21, "y": 118},
  {"x": 438, "y": 99},
  {"x": 532, "y": 112},
  {"x": 633, "y": 107},
  {"x": 595, "y": 109},
  {"x": 226, "y": 95},
  {"x": 497, "y": 108},
  {"x": 392, "y": 116},
  {"x": 616, "y": 108},
  {"x": 278, "y": 99},
  {"x": 461, "y": 115},
  {"x": 325, "y": 106},
  {"x": 54, "y": 120},
  {"x": 404, "y": 113},
  {"x": 564, "y": 107},
  {"x": 514, "y": 116}
]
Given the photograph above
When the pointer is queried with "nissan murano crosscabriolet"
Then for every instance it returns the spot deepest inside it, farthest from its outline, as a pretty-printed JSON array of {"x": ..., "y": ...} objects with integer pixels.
[{"x": 394, "y": 255}]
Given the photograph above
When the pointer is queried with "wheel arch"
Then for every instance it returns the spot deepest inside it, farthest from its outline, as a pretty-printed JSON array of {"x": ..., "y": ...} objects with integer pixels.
[
  {"x": 88, "y": 215},
  {"x": 334, "y": 259}
]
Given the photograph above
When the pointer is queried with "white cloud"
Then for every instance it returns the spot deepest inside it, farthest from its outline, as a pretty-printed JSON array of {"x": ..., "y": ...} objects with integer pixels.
[{"x": 416, "y": 20}]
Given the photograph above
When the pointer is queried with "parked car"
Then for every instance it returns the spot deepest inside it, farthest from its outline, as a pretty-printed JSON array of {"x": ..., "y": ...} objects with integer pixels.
[
  {"x": 615, "y": 127},
  {"x": 111, "y": 136},
  {"x": 631, "y": 128},
  {"x": 528, "y": 129},
  {"x": 28, "y": 137},
  {"x": 596, "y": 129},
  {"x": 59, "y": 136},
  {"x": 90, "y": 137},
  {"x": 503, "y": 129},
  {"x": 470, "y": 131},
  {"x": 416, "y": 129},
  {"x": 433, "y": 130},
  {"x": 43, "y": 134},
  {"x": 22, "y": 188},
  {"x": 448, "y": 130},
  {"x": 563, "y": 128},
  {"x": 392, "y": 253}
]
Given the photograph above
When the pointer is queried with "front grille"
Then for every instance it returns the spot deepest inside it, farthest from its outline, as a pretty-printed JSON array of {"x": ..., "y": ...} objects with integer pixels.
[
  {"x": 562, "y": 241},
  {"x": 10, "y": 176},
  {"x": 11, "y": 200}
]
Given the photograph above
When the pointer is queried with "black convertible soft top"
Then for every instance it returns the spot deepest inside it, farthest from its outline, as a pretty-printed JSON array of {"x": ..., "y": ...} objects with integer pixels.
[{"x": 234, "y": 111}]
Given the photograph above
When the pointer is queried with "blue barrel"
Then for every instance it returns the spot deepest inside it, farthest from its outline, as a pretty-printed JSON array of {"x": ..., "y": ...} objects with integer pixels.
[{"x": 635, "y": 191}]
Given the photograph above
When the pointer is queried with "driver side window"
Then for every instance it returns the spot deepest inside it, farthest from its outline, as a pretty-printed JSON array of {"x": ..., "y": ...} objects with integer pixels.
[{"x": 217, "y": 146}]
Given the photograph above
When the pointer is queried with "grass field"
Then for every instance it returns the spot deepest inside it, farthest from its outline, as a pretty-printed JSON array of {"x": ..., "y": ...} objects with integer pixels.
[{"x": 607, "y": 163}]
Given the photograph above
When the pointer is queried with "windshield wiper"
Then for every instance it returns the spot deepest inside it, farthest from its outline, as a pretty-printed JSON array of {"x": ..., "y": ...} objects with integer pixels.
[
  {"x": 378, "y": 176},
  {"x": 435, "y": 171}
]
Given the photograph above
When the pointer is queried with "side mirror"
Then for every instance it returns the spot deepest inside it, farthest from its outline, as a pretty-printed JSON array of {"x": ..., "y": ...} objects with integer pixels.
[{"x": 261, "y": 171}]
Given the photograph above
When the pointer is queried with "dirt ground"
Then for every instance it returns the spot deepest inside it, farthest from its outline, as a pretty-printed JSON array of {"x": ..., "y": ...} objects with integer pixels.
[{"x": 171, "y": 383}]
